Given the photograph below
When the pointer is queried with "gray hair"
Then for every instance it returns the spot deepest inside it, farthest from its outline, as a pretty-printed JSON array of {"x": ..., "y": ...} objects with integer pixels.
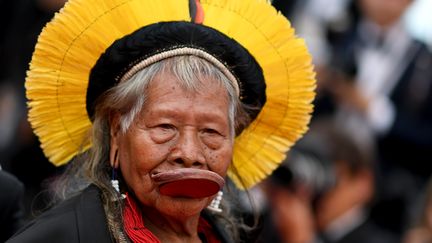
[{"x": 128, "y": 98}]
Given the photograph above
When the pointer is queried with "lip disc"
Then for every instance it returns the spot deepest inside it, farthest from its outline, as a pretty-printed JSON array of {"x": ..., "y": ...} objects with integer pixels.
[
  {"x": 189, "y": 183},
  {"x": 190, "y": 188}
]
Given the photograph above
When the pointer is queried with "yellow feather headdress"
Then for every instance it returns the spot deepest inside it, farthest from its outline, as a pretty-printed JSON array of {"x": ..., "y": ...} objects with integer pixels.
[{"x": 72, "y": 42}]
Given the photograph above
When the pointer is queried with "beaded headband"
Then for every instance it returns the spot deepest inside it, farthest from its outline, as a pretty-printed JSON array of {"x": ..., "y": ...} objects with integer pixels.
[{"x": 181, "y": 51}]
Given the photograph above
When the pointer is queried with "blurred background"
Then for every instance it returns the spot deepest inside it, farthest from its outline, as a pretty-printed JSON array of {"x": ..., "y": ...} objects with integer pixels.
[{"x": 362, "y": 173}]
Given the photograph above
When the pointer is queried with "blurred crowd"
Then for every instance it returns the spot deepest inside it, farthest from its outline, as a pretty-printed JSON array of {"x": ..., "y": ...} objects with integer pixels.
[{"x": 362, "y": 172}]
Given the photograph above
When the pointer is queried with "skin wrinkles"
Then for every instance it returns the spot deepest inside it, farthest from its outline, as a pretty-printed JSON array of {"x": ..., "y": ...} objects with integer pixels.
[{"x": 175, "y": 129}]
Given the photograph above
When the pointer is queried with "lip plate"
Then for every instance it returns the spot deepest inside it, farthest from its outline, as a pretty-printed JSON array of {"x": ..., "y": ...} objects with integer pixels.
[
  {"x": 188, "y": 182},
  {"x": 190, "y": 188}
]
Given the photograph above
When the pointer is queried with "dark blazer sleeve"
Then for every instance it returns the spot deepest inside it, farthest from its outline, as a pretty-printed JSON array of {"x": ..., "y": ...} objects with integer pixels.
[
  {"x": 409, "y": 141},
  {"x": 11, "y": 205},
  {"x": 413, "y": 99},
  {"x": 79, "y": 219}
]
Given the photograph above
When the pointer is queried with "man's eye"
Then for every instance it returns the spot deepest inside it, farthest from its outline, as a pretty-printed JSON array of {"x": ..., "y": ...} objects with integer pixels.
[
  {"x": 163, "y": 132},
  {"x": 165, "y": 126},
  {"x": 210, "y": 131},
  {"x": 212, "y": 138}
]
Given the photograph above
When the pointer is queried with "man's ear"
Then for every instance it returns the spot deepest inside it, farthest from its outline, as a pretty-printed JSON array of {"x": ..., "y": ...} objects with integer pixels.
[{"x": 114, "y": 139}]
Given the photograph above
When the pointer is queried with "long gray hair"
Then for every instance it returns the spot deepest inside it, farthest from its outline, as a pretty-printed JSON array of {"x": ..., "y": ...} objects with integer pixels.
[{"x": 127, "y": 99}]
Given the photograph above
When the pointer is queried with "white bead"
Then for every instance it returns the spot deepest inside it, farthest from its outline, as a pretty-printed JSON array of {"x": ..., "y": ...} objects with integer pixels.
[{"x": 215, "y": 203}]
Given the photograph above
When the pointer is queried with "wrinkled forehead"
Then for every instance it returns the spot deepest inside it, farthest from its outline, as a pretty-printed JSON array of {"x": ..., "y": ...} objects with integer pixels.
[
  {"x": 170, "y": 98},
  {"x": 166, "y": 82},
  {"x": 192, "y": 75}
]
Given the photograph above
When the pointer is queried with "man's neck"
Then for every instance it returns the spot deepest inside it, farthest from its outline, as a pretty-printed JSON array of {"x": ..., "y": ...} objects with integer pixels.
[{"x": 172, "y": 229}]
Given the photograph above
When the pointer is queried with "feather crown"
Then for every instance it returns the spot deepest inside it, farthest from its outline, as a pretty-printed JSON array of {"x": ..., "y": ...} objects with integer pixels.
[{"x": 70, "y": 46}]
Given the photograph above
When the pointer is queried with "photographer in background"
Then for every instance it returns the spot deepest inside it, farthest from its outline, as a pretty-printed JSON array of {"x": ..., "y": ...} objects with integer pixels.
[{"x": 290, "y": 192}]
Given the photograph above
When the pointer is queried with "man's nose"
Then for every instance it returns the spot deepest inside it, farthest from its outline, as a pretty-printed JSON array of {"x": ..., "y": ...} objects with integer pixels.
[{"x": 188, "y": 150}]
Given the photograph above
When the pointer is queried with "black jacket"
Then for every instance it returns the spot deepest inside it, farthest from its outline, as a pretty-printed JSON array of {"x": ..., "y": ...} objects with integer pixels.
[
  {"x": 11, "y": 205},
  {"x": 78, "y": 219},
  {"x": 82, "y": 219}
]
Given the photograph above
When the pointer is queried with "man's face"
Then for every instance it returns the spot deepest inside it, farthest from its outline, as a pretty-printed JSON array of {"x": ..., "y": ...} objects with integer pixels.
[
  {"x": 176, "y": 129},
  {"x": 384, "y": 12}
]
